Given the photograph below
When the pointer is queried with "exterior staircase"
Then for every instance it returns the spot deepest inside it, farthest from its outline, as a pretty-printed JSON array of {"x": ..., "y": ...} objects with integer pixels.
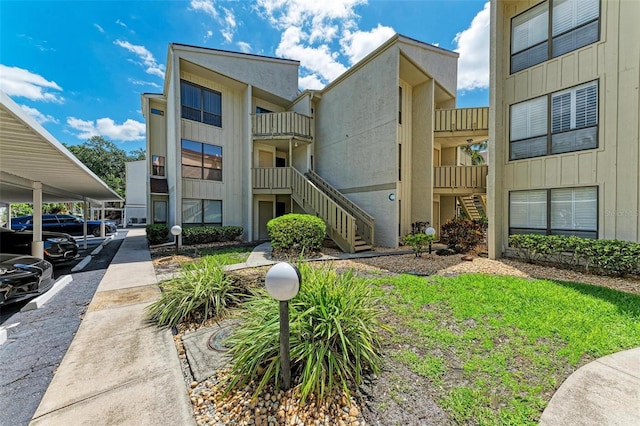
[{"x": 472, "y": 206}]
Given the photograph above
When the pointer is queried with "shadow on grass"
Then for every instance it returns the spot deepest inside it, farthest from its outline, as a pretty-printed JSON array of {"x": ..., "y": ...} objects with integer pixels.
[{"x": 627, "y": 303}]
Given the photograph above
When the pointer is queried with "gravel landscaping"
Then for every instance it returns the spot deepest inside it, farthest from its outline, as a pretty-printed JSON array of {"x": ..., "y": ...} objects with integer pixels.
[{"x": 397, "y": 395}]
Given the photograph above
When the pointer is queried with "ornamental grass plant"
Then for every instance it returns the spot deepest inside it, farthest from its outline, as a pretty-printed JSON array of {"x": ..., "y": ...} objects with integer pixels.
[
  {"x": 201, "y": 291},
  {"x": 334, "y": 323}
]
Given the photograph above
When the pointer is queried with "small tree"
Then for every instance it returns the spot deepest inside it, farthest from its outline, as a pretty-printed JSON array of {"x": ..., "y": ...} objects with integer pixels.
[
  {"x": 418, "y": 242},
  {"x": 296, "y": 233}
]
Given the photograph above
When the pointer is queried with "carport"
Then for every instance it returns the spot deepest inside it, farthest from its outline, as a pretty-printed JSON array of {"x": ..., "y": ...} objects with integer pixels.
[{"x": 36, "y": 168}]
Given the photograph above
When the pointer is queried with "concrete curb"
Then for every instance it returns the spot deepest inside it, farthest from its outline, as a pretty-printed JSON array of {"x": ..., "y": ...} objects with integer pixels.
[
  {"x": 44, "y": 298},
  {"x": 80, "y": 266},
  {"x": 3, "y": 335},
  {"x": 97, "y": 250}
]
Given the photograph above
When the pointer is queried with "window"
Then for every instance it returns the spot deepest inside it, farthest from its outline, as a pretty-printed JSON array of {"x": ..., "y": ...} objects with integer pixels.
[
  {"x": 535, "y": 38},
  {"x": 260, "y": 110},
  {"x": 157, "y": 165},
  {"x": 200, "y": 104},
  {"x": 560, "y": 211},
  {"x": 201, "y": 161},
  {"x": 159, "y": 212},
  {"x": 201, "y": 212},
  {"x": 571, "y": 125},
  {"x": 400, "y": 105}
]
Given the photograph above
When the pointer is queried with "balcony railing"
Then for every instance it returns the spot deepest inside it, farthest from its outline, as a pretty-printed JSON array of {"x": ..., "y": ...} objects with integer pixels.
[
  {"x": 460, "y": 177},
  {"x": 462, "y": 119},
  {"x": 276, "y": 124},
  {"x": 271, "y": 178}
]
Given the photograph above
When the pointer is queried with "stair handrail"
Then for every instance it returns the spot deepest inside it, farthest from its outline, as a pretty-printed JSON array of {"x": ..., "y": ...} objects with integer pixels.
[
  {"x": 342, "y": 223},
  {"x": 365, "y": 223}
]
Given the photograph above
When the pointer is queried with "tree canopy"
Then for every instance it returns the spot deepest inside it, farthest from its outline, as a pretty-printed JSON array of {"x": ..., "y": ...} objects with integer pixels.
[{"x": 106, "y": 160}]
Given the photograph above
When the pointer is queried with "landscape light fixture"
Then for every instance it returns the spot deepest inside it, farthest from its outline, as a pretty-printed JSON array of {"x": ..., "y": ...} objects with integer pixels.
[
  {"x": 430, "y": 232},
  {"x": 283, "y": 283},
  {"x": 176, "y": 230}
]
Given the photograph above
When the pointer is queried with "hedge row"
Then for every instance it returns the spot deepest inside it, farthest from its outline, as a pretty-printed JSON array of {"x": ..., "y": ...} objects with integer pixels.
[
  {"x": 210, "y": 234},
  {"x": 611, "y": 257},
  {"x": 159, "y": 233}
]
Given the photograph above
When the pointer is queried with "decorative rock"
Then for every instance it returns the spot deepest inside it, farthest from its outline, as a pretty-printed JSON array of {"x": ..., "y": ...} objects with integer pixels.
[
  {"x": 193, "y": 384},
  {"x": 467, "y": 258}
]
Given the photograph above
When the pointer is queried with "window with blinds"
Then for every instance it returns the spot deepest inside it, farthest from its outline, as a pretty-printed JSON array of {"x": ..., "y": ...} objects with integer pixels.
[
  {"x": 564, "y": 121},
  {"x": 574, "y": 24},
  {"x": 558, "y": 211},
  {"x": 200, "y": 104}
]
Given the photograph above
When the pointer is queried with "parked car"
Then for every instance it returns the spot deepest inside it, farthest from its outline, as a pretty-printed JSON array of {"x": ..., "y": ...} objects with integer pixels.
[
  {"x": 23, "y": 277},
  {"x": 58, "y": 247},
  {"x": 67, "y": 223}
]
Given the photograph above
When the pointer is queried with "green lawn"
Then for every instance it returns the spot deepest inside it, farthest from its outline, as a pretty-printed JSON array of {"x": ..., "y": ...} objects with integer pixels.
[
  {"x": 497, "y": 348},
  {"x": 227, "y": 255}
]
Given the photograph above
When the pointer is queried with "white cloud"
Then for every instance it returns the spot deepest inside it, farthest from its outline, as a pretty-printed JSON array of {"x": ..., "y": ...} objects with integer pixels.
[
  {"x": 99, "y": 28},
  {"x": 473, "y": 47},
  {"x": 311, "y": 82},
  {"x": 145, "y": 56},
  {"x": 319, "y": 60},
  {"x": 122, "y": 24},
  {"x": 144, "y": 83},
  {"x": 227, "y": 23},
  {"x": 19, "y": 82},
  {"x": 38, "y": 116},
  {"x": 358, "y": 44},
  {"x": 244, "y": 46},
  {"x": 207, "y": 36},
  {"x": 286, "y": 13},
  {"x": 130, "y": 130}
]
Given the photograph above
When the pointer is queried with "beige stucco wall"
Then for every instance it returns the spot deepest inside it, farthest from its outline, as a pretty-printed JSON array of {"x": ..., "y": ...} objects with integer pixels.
[
  {"x": 614, "y": 166},
  {"x": 355, "y": 146}
]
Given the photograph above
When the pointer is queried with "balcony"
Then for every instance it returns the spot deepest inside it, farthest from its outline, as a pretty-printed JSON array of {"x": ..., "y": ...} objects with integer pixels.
[
  {"x": 460, "y": 180},
  {"x": 281, "y": 125},
  {"x": 271, "y": 180},
  {"x": 459, "y": 126}
]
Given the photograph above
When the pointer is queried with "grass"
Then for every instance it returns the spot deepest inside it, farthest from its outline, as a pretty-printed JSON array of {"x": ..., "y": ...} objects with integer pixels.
[
  {"x": 496, "y": 348},
  {"x": 228, "y": 255}
]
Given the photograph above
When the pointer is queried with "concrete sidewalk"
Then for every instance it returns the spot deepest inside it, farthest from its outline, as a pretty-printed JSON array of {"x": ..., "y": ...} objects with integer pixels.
[
  {"x": 603, "y": 392},
  {"x": 120, "y": 368}
]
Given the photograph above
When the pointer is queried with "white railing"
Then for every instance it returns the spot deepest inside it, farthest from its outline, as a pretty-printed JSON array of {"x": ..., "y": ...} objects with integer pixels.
[
  {"x": 281, "y": 124},
  {"x": 460, "y": 119},
  {"x": 472, "y": 177}
]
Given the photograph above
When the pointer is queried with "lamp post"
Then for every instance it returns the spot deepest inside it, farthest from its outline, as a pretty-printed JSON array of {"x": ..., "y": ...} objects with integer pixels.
[
  {"x": 430, "y": 232},
  {"x": 176, "y": 230},
  {"x": 283, "y": 283}
]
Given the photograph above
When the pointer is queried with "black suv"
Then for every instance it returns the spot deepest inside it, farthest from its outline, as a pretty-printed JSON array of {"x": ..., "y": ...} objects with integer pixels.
[{"x": 67, "y": 223}]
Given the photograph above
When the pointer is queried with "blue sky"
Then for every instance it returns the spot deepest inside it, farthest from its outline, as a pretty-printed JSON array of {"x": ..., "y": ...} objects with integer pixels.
[{"x": 79, "y": 67}]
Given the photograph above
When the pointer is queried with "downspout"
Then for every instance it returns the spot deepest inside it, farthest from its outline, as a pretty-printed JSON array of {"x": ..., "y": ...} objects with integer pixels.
[{"x": 37, "y": 246}]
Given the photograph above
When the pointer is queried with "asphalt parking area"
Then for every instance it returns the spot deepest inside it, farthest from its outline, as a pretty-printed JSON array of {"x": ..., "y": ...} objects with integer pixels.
[{"x": 37, "y": 340}]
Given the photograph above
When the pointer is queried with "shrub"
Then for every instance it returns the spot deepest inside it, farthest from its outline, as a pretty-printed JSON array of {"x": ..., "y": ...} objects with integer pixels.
[
  {"x": 210, "y": 234},
  {"x": 296, "y": 232},
  {"x": 202, "y": 291},
  {"x": 333, "y": 323},
  {"x": 157, "y": 233},
  {"x": 461, "y": 235},
  {"x": 418, "y": 242},
  {"x": 611, "y": 257}
]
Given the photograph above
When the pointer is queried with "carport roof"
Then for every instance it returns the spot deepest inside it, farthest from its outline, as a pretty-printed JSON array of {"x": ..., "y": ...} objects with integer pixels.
[{"x": 28, "y": 154}]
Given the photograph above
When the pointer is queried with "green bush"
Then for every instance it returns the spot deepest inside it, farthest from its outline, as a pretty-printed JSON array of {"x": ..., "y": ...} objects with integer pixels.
[
  {"x": 157, "y": 233},
  {"x": 334, "y": 322},
  {"x": 201, "y": 291},
  {"x": 418, "y": 242},
  {"x": 611, "y": 257},
  {"x": 210, "y": 234},
  {"x": 300, "y": 233},
  {"x": 461, "y": 235}
]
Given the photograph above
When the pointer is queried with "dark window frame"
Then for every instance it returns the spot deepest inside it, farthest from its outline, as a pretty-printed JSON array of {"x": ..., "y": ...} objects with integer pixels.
[
  {"x": 211, "y": 118},
  {"x": 556, "y": 231},
  {"x": 159, "y": 167},
  {"x": 550, "y": 37},
  {"x": 202, "y": 211},
  {"x": 202, "y": 167},
  {"x": 549, "y": 134}
]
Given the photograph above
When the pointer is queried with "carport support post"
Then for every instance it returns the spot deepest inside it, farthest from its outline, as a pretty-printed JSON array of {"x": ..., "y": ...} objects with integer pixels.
[
  {"x": 102, "y": 220},
  {"x": 85, "y": 213},
  {"x": 37, "y": 246}
]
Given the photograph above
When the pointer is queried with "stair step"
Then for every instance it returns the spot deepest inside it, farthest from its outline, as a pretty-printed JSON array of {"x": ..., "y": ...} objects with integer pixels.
[{"x": 358, "y": 248}]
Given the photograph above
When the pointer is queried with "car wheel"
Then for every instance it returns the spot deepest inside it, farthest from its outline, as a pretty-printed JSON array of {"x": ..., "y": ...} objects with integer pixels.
[{"x": 95, "y": 232}]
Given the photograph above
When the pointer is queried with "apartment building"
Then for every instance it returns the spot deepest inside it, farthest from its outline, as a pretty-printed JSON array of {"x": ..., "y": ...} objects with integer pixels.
[
  {"x": 231, "y": 141},
  {"x": 564, "y": 127}
]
